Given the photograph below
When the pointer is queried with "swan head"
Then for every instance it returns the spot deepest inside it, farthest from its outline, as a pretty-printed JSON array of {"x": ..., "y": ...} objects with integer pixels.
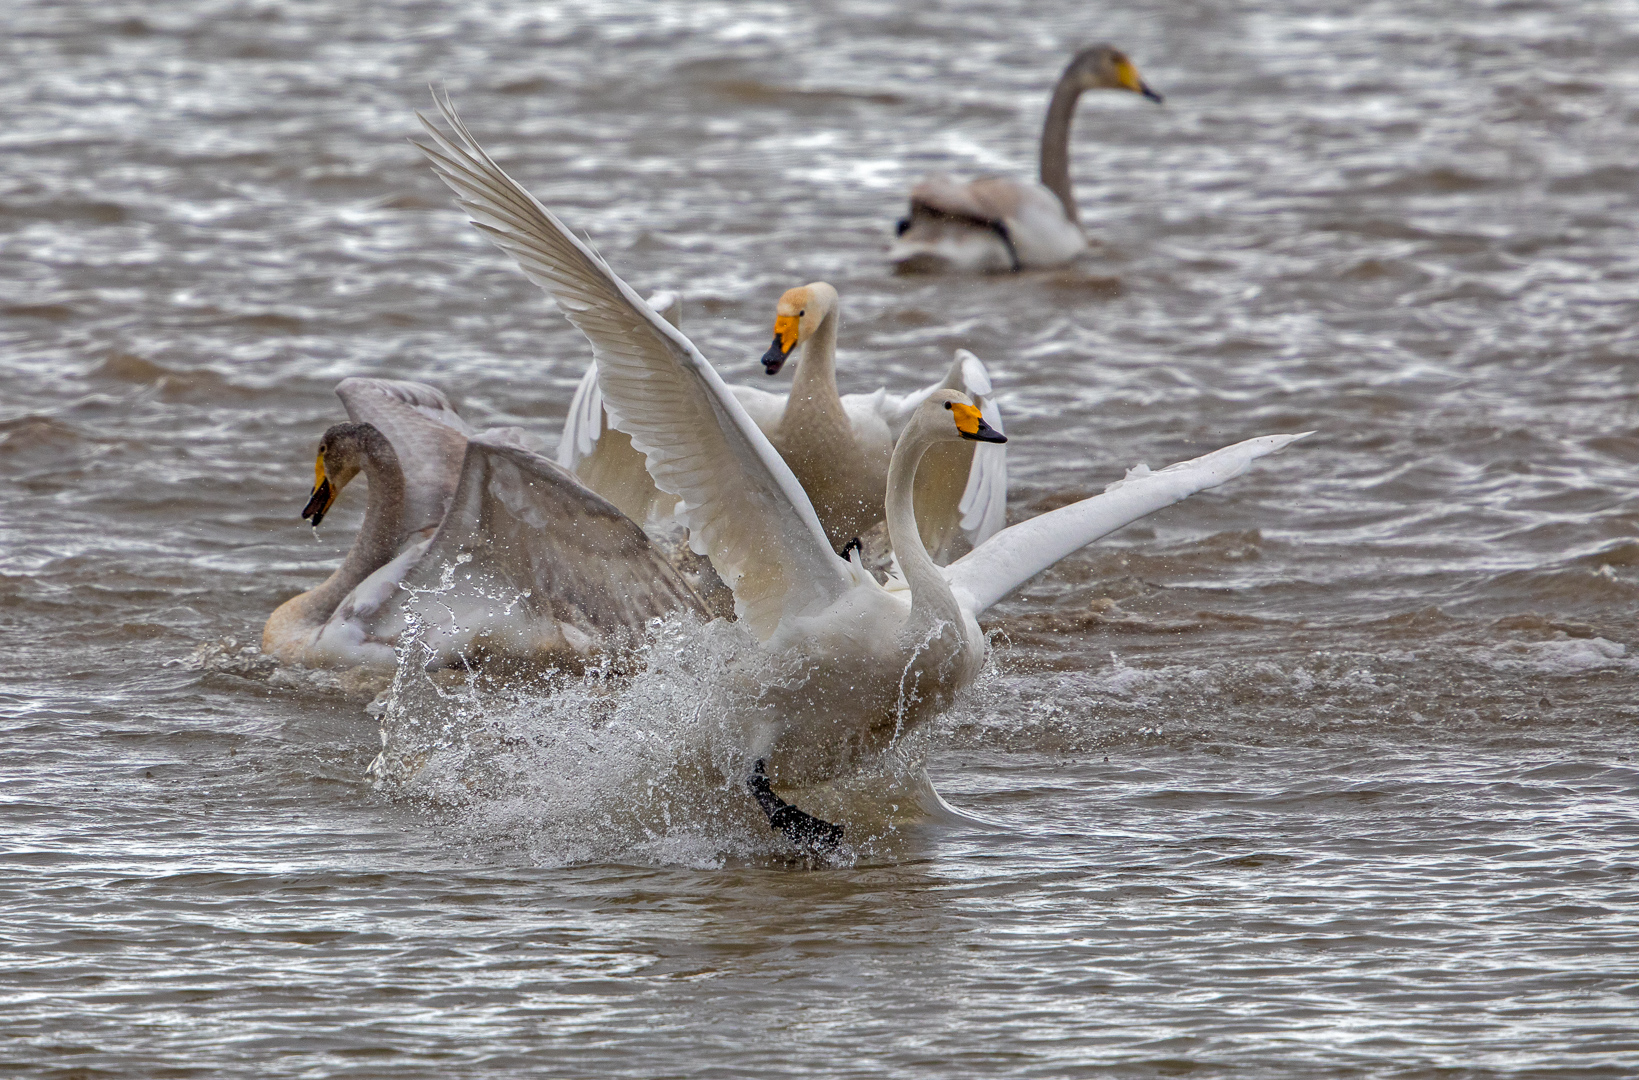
[
  {"x": 1104, "y": 67},
  {"x": 950, "y": 416},
  {"x": 341, "y": 457},
  {"x": 796, "y": 317}
]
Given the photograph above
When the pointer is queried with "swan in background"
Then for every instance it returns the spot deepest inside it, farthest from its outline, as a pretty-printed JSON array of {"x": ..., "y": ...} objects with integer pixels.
[
  {"x": 998, "y": 223},
  {"x": 480, "y": 545},
  {"x": 843, "y": 665},
  {"x": 839, "y": 446},
  {"x": 836, "y": 444}
]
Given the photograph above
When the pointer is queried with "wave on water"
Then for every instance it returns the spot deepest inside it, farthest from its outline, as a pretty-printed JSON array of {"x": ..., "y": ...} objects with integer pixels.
[
  {"x": 1562, "y": 655},
  {"x": 227, "y": 656},
  {"x": 636, "y": 758}
]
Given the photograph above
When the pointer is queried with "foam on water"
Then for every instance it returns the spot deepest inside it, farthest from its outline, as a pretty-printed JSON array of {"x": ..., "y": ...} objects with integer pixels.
[{"x": 1563, "y": 655}]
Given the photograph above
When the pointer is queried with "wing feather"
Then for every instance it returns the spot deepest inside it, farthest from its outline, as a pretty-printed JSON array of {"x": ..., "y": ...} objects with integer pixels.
[
  {"x": 983, "y": 505},
  {"x": 1017, "y": 554},
  {"x": 739, "y": 500},
  {"x": 531, "y": 561},
  {"x": 584, "y": 424},
  {"x": 602, "y": 457},
  {"x": 939, "y": 194}
]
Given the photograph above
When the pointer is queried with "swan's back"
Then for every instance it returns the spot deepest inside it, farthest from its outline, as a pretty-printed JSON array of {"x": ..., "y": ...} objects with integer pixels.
[{"x": 993, "y": 224}]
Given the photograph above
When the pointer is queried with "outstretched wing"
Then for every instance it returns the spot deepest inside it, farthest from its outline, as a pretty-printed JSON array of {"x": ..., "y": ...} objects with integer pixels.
[
  {"x": 530, "y": 562},
  {"x": 739, "y": 500},
  {"x": 602, "y": 457},
  {"x": 427, "y": 435},
  {"x": 1017, "y": 554}
]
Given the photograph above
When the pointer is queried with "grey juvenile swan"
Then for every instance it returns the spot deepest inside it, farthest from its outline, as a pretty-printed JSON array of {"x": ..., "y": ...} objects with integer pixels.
[{"x": 489, "y": 548}]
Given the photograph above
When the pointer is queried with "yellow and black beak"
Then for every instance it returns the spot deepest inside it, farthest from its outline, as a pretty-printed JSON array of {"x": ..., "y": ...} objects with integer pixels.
[
  {"x": 785, "y": 339},
  {"x": 323, "y": 494},
  {"x": 1130, "y": 79},
  {"x": 972, "y": 425}
]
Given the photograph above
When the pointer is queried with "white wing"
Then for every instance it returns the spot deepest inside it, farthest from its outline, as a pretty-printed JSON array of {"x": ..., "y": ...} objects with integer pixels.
[
  {"x": 426, "y": 433},
  {"x": 1017, "y": 554},
  {"x": 739, "y": 500},
  {"x": 584, "y": 424},
  {"x": 984, "y": 500},
  {"x": 602, "y": 457}
]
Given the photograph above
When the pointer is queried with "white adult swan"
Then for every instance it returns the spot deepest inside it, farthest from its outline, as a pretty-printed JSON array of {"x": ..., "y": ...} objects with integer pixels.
[
  {"x": 836, "y": 444},
  {"x": 998, "y": 223},
  {"x": 843, "y": 665},
  {"x": 487, "y": 548}
]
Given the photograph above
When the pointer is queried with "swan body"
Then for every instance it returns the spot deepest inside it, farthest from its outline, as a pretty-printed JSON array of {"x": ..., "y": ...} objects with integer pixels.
[
  {"x": 997, "y": 223},
  {"x": 838, "y": 445},
  {"x": 519, "y": 558},
  {"x": 842, "y": 664},
  {"x": 988, "y": 226}
]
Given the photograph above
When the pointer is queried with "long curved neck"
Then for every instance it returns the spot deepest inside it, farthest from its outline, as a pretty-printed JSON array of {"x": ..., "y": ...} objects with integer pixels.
[
  {"x": 1055, "y": 144},
  {"x": 815, "y": 382},
  {"x": 931, "y": 598},
  {"x": 378, "y": 538}
]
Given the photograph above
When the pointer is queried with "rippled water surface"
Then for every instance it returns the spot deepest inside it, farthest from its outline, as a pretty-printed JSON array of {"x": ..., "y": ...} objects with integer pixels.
[{"x": 1324, "y": 773}]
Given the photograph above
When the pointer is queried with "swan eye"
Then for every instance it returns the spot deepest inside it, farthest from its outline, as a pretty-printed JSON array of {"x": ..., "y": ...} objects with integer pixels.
[
  {"x": 801, "y": 313},
  {"x": 947, "y": 406}
]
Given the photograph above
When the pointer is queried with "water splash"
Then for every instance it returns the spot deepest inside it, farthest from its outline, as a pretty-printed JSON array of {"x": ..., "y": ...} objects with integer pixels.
[{"x": 636, "y": 757}]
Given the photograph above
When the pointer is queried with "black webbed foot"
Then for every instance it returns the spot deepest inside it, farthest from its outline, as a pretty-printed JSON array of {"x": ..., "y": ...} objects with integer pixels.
[
  {"x": 804, "y": 830},
  {"x": 851, "y": 546}
]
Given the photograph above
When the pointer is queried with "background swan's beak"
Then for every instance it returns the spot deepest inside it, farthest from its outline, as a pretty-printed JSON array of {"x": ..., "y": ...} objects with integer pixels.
[
  {"x": 785, "y": 339},
  {"x": 774, "y": 358},
  {"x": 1128, "y": 77},
  {"x": 318, "y": 502}
]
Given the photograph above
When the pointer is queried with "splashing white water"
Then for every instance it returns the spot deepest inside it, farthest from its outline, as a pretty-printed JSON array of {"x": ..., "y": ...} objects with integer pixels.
[{"x": 635, "y": 758}]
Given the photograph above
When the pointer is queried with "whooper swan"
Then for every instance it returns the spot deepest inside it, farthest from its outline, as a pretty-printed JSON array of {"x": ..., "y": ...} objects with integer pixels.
[
  {"x": 998, "y": 223},
  {"x": 485, "y": 547},
  {"x": 843, "y": 665},
  {"x": 836, "y": 444}
]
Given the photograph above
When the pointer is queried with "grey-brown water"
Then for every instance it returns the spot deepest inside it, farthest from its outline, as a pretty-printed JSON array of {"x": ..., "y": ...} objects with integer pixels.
[{"x": 1325, "y": 773}]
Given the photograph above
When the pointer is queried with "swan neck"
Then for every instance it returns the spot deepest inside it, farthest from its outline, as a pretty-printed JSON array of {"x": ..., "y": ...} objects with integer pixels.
[
  {"x": 931, "y": 598},
  {"x": 816, "y": 377},
  {"x": 379, "y": 535},
  {"x": 1055, "y": 144}
]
